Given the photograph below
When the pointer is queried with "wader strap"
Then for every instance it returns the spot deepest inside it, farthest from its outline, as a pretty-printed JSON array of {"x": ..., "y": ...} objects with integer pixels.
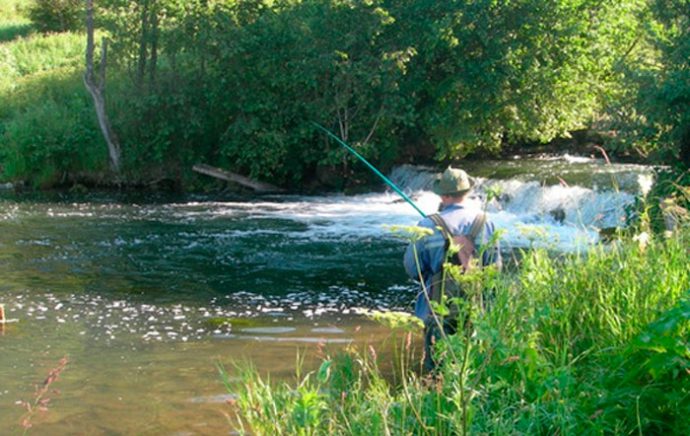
[
  {"x": 441, "y": 223},
  {"x": 477, "y": 226}
]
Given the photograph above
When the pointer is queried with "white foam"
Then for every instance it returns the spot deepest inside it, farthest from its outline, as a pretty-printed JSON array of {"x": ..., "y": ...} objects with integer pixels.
[{"x": 365, "y": 216}]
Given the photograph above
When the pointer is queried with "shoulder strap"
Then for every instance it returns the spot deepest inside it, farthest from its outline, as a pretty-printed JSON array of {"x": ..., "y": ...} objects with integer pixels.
[
  {"x": 477, "y": 226},
  {"x": 441, "y": 223}
]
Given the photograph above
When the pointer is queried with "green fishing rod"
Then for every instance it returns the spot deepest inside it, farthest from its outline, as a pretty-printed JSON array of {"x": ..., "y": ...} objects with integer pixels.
[{"x": 371, "y": 167}]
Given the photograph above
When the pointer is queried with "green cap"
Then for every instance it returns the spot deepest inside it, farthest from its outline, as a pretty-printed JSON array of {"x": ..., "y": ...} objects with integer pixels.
[{"x": 453, "y": 181}]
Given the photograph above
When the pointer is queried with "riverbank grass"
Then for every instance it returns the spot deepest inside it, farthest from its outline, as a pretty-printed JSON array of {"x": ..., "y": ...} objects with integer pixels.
[
  {"x": 47, "y": 123},
  {"x": 585, "y": 343}
]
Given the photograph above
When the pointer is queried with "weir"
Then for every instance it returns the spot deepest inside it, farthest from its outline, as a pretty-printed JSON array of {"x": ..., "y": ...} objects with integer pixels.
[{"x": 558, "y": 201}]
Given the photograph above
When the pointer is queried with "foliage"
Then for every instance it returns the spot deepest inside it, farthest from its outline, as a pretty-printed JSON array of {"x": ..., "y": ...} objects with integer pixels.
[
  {"x": 13, "y": 24},
  {"x": 57, "y": 15},
  {"x": 656, "y": 115},
  {"x": 49, "y": 129},
  {"x": 347, "y": 87},
  {"x": 492, "y": 72},
  {"x": 238, "y": 84},
  {"x": 24, "y": 57},
  {"x": 11, "y": 11},
  {"x": 47, "y": 123},
  {"x": 590, "y": 343}
]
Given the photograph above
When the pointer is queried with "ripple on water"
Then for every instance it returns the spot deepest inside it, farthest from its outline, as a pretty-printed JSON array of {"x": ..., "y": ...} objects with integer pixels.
[{"x": 104, "y": 319}]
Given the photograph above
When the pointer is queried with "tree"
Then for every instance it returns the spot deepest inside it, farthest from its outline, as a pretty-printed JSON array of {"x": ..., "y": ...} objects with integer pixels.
[
  {"x": 96, "y": 87},
  {"x": 57, "y": 15},
  {"x": 492, "y": 72},
  {"x": 664, "y": 89}
]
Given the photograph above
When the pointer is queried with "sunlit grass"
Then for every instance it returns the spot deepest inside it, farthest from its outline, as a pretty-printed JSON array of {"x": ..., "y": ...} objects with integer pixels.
[
  {"x": 39, "y": 53},
  {"x": 13, "y": 22},
  {"x": 13, "y": 11}
]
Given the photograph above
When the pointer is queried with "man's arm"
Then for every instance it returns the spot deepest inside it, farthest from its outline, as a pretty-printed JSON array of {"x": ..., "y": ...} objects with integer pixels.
[
  {"x": 411, "y": 261},
  {"x": 419, "y": 262}
]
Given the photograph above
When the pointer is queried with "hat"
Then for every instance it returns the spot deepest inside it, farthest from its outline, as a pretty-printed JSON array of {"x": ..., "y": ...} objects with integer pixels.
[{"x": 452, "y": 181}]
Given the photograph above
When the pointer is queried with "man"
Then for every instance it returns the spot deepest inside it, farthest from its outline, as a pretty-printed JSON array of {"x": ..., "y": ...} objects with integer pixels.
[{"x": 456, "y": 219}]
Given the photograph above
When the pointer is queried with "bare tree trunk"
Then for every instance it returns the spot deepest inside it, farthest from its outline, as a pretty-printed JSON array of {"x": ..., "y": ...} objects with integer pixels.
[
  {"x": 96, "y": 87},
  {"x": 154, "y": 45},
  {"x": 143, "y": 42}
]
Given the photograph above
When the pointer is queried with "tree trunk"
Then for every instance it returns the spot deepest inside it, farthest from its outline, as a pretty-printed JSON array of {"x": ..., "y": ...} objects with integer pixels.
[
  {"x": 96, "y": 87},
  {"x": 153, "y": 65},
  {"x": 685, "y": 147},
  {"x": 143, "y": 42}
]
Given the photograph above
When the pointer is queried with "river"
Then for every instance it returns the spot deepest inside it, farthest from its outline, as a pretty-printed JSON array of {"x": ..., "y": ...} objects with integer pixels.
[{"x": 135, "y": 289}]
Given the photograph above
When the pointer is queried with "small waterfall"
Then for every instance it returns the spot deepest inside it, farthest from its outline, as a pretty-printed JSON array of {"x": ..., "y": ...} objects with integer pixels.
[
  {"x": 413, "y": 178},
  {"x": 558, "y": 201}
]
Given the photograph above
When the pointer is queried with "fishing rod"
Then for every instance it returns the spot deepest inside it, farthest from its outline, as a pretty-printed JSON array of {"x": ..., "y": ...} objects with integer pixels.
[{"x": 371, "y": 167}]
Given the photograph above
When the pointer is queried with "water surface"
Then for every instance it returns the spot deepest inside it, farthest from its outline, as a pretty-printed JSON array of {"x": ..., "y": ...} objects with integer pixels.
[{"x": 146, "y": 294}]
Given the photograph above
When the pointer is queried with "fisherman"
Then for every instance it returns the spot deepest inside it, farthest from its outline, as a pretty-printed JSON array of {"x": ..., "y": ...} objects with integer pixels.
[{"x": 461, "y": 221}]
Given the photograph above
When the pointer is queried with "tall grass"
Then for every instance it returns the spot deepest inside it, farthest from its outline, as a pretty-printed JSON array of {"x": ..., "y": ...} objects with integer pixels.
[
  {"x": 588, "y": 343},
  {"x": 48, "y": 128},
  {"x": 39, "y": 53},
  {"x": 47, "y": 123},
  {"x": 13, "y": 11}
]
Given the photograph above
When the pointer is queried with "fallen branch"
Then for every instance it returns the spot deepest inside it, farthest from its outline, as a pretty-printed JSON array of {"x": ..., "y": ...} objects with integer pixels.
[{"x": 236, "y": 178}]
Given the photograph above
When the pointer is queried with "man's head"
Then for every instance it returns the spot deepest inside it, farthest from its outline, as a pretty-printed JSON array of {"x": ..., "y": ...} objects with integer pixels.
[{"x": 453, "y": 185}]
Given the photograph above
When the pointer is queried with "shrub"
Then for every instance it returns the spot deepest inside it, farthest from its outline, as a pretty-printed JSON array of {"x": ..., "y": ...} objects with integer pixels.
[
  {"x": 57, "y": 15},
  {"x": 48, "y": 129}
]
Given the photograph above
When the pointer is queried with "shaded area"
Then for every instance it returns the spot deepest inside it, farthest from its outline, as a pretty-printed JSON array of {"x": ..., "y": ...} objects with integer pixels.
[{"x": 10, "y": 32}]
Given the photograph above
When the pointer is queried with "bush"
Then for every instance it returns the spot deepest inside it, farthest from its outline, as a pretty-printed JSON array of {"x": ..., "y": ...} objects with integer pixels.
[
  {"x": 57, "y": 15},
  {"x": 48, "y": 130}
]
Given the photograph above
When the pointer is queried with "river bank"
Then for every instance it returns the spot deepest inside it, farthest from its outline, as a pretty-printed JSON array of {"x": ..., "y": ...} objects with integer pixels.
[
  {"x": 594, "y": 342},
  {"x": 222, "y": 108}
]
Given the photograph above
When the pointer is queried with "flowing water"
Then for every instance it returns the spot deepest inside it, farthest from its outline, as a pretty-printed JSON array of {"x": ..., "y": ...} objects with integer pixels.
[{"x": 145, "y": 295}]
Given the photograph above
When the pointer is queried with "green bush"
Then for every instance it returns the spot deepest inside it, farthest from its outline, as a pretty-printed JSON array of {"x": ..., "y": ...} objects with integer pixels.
[
  {"x": 48, "y": 130},
  {"x": 57, "y": 15}
]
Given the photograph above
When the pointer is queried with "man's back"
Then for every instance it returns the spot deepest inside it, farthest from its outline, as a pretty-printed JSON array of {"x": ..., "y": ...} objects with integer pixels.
[{"x": 431, "y": 250}]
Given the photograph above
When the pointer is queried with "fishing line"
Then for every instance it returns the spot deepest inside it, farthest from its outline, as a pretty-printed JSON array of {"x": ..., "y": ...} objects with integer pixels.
[{"x": 371, "y": 167}]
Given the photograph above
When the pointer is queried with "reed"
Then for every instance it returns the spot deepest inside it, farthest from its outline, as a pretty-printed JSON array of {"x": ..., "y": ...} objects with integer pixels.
[{"x": 42, "y": 396}]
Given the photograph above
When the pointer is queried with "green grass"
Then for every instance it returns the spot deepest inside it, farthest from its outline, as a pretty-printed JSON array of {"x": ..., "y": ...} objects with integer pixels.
[
  {"x": 48, "y": 127},
  {"x": 13, "y": 22},
  {"x": 13, "y": 11},
  {"x": 47, "y": 123},
  {"x": 588, "y": 343},
  {"x": 24, "y": 53},
  {"x": 39, "y": 53}
]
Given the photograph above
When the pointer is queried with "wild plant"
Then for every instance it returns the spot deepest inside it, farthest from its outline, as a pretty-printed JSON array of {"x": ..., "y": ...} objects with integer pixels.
[{"x": 41, "y": 399}]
